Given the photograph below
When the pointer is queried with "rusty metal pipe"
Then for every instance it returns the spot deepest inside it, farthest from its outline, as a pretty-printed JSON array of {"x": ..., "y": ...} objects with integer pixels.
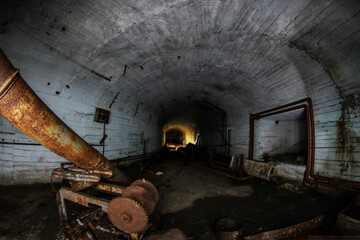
[{"x": 25, "y": 110}]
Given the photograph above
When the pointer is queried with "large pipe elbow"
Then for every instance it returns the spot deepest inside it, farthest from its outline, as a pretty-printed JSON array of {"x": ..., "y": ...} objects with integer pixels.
[{"x": 25, "y": 110}]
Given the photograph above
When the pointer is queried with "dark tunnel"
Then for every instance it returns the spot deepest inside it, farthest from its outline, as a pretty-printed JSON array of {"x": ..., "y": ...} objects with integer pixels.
[{"x": 166, "y": 119}]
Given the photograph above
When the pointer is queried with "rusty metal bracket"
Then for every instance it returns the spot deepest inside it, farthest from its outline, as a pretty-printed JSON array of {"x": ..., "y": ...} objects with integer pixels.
[{"x": 291, "y": 231}]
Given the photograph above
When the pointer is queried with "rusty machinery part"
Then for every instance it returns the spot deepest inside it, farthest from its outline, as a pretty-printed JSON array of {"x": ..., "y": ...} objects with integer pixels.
[
  {"x": 291, "y": 231},
  {"x": 79, "y": 186},
  {"x": 20, "y": 105},
  {"x": 109, "y": 188},
  {"x": 173, "y": 234},
  {"x": 102, "y": 173},
  {"x": 75, "y": 176},
  {"x": 140, "y": 195},
  {"x": 127, "y": 215},
  {"x": 148, "y": 186}
]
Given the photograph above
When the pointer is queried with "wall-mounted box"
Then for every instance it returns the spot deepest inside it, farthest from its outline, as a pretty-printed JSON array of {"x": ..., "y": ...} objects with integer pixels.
[{"x": 101, "y": 115}]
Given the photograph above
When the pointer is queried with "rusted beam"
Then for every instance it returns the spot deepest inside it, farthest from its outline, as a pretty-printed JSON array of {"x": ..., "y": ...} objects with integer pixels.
[
  {"x": 78, "y": 198},
  {"x": 102, "y": 173},
  {"x": 222, "y": 173},
  {"x": 25, "y": 110},
  {"x": 291, "y": 231}
]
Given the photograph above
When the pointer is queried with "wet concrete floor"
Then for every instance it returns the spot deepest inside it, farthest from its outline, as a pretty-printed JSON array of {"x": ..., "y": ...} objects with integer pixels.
[
  {"x": 28, "y": 212},
  {"x": 191, "y": 199}
]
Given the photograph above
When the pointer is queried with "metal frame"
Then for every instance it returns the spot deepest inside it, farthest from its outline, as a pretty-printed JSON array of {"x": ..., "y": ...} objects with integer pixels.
[
  {"x": 310, "y": 176},
  {"x": 84, "y": 199},
  {"x": 291, "y": 231}
]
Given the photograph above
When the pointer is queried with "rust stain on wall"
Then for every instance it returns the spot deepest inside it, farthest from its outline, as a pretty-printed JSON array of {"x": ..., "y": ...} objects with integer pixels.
[{"x": 347, "y": 139}]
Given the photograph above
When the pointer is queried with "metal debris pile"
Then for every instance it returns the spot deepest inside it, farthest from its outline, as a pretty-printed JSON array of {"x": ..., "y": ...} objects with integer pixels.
[
  {"x": 125, "y": 216},
  {"x": 92, "y": 224}
]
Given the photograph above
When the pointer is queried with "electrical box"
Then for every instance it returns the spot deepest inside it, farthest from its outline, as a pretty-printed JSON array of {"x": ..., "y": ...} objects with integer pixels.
[{"x": 101, "y": 115}]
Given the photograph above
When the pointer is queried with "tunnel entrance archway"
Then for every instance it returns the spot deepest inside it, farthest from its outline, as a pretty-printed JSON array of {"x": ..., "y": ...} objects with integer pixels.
[
  {"x": 178, "y": 135},
  {"x": 174, "y": 137}
]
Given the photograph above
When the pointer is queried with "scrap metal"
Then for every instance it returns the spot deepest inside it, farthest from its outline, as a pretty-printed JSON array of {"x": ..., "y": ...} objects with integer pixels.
[
  {"x": 259, "y": 169},
  {"x": 129, "y": 213},
  {"x": 291, "y": 231}
]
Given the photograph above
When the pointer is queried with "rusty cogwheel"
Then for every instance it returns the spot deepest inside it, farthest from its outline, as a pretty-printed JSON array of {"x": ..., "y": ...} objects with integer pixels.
[
  {"x": 140, "y": 195},
  {"x": 148, "y": 186},
  {"x": 127, "y": 215}
]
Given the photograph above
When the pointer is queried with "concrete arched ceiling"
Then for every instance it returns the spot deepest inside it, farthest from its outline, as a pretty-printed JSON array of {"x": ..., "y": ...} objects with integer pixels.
[{"x": 243, "y": 56}]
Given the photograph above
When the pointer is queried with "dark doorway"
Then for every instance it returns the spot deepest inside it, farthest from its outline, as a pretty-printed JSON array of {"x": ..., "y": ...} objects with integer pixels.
[{"x": 174, "y": 138}]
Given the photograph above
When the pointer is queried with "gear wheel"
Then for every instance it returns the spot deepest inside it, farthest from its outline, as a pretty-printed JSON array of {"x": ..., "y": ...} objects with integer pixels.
[
  {"x": 127, "y": 215},
  {"x": 140, "y": 195},
  {"x": 148, "y": 186}
]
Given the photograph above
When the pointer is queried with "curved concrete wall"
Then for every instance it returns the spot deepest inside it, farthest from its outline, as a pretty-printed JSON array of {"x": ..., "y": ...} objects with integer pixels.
[{"x": 138, "y": 58}]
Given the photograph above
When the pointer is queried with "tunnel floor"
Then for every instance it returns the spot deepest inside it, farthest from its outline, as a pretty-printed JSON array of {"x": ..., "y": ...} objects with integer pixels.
[{"x": 191, "y": 199}]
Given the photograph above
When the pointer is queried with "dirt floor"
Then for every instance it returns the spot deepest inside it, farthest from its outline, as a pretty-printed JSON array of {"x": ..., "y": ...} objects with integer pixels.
[
  {"x": 28, "y": 212},
  {"x": 191, "y": 199}
]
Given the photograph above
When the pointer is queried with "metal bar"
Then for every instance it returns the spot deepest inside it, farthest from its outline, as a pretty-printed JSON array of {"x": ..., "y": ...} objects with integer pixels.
[
  {"x": 109, "y": 188},
  {"x": 294, "y": 230},
  {"x": 132, "y": 157},
  {"x": 82, "y": 199},
  {"x": 37, "y": 144},
  {"x": 240, "y": 170},
  {"x": 25, "y": 110},
  {"x": 75, "y": 176},
  {"x": 61, "y": 208},
  {"x": 281, "y": 111},
  {"x": 284, "y": 106},
  {"x": 222, "y": 173},
  {"x": 251, "y": 140},
  {"x": 211, "y": 164},
  {"x": 224, "y": 168},
  {"x": 102, "y": 173}
]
